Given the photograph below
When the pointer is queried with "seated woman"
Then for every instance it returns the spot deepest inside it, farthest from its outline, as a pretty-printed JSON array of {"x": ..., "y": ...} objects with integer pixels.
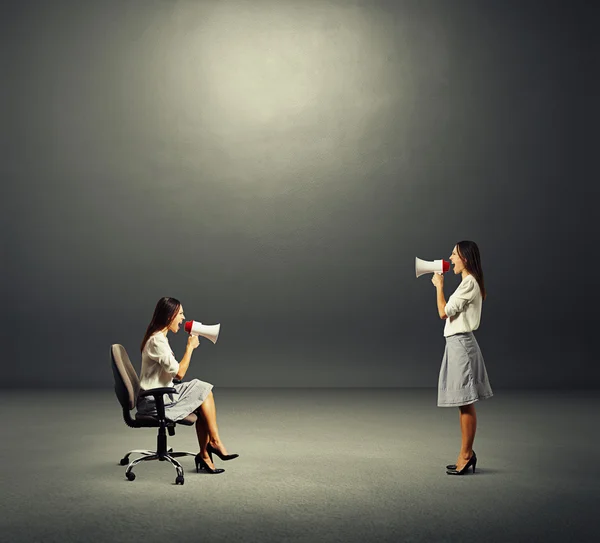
[{"x": 159, "y": 367}]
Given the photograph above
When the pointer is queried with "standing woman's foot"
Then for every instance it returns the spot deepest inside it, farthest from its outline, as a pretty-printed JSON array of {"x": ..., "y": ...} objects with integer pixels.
[
  {"x": 460, "y": 461},
  {"x": 463, "y": 465},
  {"x": 464, "y": 469},
  {"x": 219, "y": 449}
]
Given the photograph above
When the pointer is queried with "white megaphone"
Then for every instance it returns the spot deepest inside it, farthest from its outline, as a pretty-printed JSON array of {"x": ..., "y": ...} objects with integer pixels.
[
  {"x": 430, "y": 266},
  {"x": 196, "y": 328}
]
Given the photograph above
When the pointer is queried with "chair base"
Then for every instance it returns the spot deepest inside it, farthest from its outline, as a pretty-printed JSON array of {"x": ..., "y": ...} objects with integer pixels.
[{"x": 153, "y": 455}]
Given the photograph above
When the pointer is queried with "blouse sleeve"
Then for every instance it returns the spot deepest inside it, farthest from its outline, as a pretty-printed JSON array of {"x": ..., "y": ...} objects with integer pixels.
[
  {"x": 463, "y": 295},
  {"x": 160, "y": 352}
]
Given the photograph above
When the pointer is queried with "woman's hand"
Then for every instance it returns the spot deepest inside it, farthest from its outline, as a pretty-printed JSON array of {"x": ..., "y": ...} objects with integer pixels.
[
  {"x": 438, "y": 280},
  {"x": 193, "y": 342}
]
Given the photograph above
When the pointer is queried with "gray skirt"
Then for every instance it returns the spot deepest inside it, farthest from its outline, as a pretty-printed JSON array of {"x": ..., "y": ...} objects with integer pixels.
[
  {"x": 463, "y": 377},
  {"x": 186, "y": 400}
]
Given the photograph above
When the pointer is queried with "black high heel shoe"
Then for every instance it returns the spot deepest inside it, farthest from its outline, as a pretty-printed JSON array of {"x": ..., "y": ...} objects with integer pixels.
[
  {"x": 472, "y": 462},
  {"x": 212, "y": 450},
  {"x": 453, "y": 466},
  {"x": 201, "y": 464}
]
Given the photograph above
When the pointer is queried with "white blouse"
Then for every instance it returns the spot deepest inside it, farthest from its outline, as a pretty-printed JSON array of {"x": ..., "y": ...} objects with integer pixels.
[
  {"x": 463, "y": 308},
  {"x": 159, "y": 365}
]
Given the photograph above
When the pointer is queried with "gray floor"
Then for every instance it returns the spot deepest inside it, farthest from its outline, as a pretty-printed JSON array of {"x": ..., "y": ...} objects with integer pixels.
[{"x": 316, "y": 465}]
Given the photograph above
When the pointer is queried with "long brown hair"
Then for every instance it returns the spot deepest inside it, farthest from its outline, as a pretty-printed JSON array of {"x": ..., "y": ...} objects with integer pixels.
[
  {"x": 165, "y": 311},
  {"x": 469, "y": 254}
]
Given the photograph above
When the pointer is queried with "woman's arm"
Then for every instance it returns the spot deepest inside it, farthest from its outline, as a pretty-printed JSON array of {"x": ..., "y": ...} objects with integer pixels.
[
  {"x": 463, "y": 296},
  {"x": 192, "y": 343},
  {"x": 441, "y": 302},
  {"x": 438, "y": 281}
]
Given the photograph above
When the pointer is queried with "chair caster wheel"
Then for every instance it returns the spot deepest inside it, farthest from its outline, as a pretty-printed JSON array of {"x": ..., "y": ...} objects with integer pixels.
[
  {"x": 130, "y": 476},
  {"x": 179, "y": 480},
  {"x": 124, "y": 461}
]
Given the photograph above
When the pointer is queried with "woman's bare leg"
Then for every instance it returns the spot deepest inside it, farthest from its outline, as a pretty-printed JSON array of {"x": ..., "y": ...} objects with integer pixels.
[
  {"x": 202, "y": 433},
  {"x": 209, "y": 412},
  {"x": 468, "y": 427}
]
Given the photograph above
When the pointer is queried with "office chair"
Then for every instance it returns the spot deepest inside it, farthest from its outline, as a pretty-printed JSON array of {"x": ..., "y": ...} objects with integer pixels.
[{"x": 127, "y": 389}]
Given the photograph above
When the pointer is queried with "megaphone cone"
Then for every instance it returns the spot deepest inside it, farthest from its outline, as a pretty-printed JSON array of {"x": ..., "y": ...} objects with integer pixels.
[
  {"x": 430, "y": 266},
  {"x": 196, "y": 328}
]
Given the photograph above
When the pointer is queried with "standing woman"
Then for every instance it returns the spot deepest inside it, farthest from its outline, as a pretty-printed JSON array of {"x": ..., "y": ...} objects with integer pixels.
[
  {"x": 463, "y": 378},
  {"x": 159, "y": 367}
]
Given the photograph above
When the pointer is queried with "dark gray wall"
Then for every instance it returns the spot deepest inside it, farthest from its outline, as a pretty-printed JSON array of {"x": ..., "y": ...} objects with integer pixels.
[{"x": 277, "y": 165}]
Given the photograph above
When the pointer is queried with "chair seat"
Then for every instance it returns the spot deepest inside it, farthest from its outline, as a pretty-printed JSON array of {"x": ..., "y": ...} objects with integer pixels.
[
  {"x": 190, "y": 420},
  {"x": 148, "y": 421}
]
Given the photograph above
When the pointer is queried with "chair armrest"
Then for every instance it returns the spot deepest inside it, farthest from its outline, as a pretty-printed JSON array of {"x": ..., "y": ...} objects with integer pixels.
[
  {"x": 157, "y": 392},
  {"x": 159, "y": 399}
]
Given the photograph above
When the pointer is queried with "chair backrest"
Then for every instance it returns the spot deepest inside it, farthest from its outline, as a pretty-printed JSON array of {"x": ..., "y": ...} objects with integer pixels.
[{"x": 127, "y": 383}]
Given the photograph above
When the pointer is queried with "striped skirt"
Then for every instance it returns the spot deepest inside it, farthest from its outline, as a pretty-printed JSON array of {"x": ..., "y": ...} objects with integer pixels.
[
  {"x": 463, "y": 377},
  {"x": 186, "y": 400}
]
